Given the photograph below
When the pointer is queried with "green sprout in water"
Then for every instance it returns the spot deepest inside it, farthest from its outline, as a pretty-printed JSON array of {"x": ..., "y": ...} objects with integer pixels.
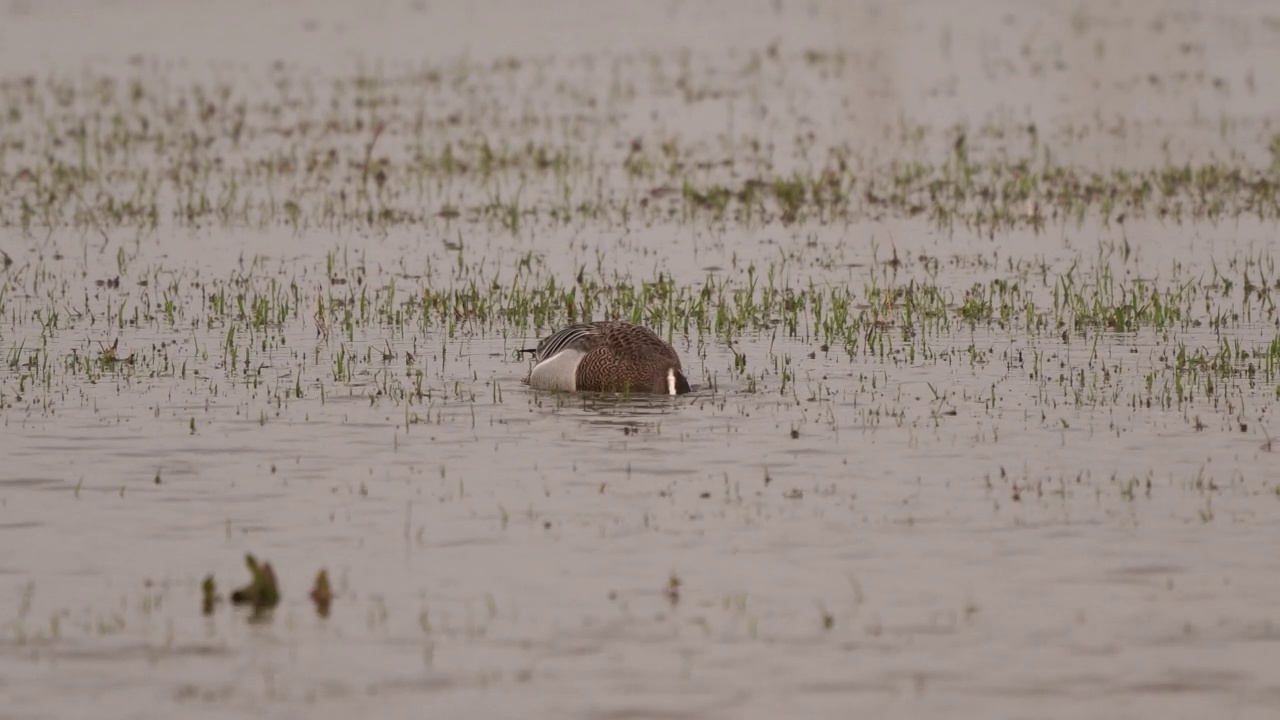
[
  {"x": 322, "y": 594},
  {"x": 209, "y": 591},
  {"x": 262, "y": 592}
]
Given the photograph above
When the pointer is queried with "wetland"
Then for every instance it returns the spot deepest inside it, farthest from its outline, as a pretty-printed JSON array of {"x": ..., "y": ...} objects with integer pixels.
[{"x": 978, "y": 306}]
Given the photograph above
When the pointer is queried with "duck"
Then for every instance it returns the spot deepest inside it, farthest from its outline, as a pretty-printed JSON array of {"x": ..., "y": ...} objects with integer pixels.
[{"x": 606, "y": 356}]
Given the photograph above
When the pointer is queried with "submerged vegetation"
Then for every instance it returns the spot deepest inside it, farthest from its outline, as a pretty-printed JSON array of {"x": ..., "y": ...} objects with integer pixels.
[
  {"x": 126, "y": 164},
  {"x": 1188, "y": 334},
  {"x": 436, "y": 146},
  {"x": 385, "y": 222}
]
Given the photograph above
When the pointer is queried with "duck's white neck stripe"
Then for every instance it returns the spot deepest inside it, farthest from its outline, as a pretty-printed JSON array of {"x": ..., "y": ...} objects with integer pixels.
[{"x": 671, "y": 381}]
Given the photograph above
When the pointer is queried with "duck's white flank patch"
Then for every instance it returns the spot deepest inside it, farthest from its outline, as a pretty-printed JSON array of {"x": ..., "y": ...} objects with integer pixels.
[
  {"x": 671, "y": 381},
  {"x": 558, "y": 372}
]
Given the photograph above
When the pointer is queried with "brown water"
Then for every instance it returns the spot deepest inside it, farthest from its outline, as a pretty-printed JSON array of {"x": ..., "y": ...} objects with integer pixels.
[{"x": 974, "y": 520}]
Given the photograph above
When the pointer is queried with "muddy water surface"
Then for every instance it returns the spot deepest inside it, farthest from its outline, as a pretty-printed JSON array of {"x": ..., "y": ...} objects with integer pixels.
[{"x": 979, "y": 307}]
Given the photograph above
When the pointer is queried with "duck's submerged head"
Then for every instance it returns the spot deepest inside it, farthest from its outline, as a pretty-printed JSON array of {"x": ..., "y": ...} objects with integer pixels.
[{"x": 677, "y": 383}]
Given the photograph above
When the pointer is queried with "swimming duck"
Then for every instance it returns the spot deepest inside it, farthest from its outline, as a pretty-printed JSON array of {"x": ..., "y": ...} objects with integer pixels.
[{"x": 606, "y": 356}]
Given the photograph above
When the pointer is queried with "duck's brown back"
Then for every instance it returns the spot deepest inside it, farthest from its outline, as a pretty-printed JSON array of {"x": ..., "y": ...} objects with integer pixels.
[{"x": 628, "y": 358}]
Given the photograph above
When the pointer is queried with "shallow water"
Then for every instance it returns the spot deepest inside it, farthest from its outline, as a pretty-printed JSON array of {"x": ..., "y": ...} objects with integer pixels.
[{"x": 1016, "y": 511}]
